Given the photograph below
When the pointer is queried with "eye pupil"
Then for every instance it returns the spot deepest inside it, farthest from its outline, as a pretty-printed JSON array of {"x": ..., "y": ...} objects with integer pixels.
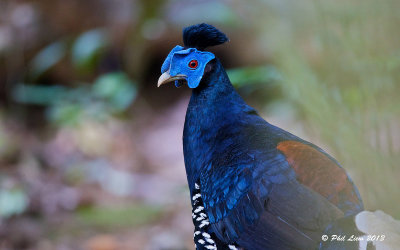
[{"x": 193, "y": 64}]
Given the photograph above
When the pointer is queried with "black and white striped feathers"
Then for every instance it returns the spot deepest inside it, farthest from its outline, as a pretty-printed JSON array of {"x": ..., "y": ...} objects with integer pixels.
[{"x": 203, "y": 238}]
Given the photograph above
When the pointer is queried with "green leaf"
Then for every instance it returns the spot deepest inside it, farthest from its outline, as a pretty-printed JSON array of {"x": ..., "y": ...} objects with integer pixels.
[
  {"x": 47, "y": 58},
  {"x": 65, "y": 113},
  {"x": 132, "y": 215},
  {"x": 38, "y": 95},
  {"x": 87, "y": 47},
  {"x": 12, "y": 202},
  {"x": 116, "y": 89},
  {"x": 253, "y": 75},
  {"x": 197, "y": 12}
]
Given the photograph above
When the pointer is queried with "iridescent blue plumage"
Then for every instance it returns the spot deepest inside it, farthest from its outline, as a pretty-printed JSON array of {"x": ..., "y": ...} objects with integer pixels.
[{"x": 256, "y": 191}]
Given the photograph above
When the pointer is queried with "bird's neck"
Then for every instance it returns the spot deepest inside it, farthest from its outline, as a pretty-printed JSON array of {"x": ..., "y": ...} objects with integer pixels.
[
  {"x": 215, "y": 100},
  {"x": 213, "y": 108}
]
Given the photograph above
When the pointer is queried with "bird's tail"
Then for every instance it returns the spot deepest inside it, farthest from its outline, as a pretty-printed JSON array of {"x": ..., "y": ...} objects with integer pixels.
[{"x": 366, "y": 230}]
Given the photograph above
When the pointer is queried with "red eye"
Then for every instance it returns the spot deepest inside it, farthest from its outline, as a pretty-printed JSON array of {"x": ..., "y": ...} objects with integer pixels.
[{"x": 193, "y": 64}]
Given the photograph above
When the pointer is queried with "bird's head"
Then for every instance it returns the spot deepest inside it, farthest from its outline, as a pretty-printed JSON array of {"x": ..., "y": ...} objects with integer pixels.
[{"x": 188, "y": 64}]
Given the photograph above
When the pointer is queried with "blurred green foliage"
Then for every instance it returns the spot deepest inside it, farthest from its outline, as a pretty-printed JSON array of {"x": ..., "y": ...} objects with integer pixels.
[
  {"x": 117, "y": 89},
  {"x": 212, "y": 11},
  {"x": 87, "y": 47},
  {"x": 110, "y": 94},
  {"x": 123, "y": 216},
  {"x": 12, "y": 202},
  {"x": 84, "y": 53},
  {"x": 47, "y": 58},
  {"x": 341, "y": 71},
  {"x": 246, "y": 76}
]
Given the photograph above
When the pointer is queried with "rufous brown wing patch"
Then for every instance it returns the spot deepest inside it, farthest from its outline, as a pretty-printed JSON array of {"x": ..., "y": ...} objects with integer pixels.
[{"x": 316, "y": 171}]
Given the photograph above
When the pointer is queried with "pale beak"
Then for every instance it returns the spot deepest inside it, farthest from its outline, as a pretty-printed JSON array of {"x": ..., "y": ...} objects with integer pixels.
[{"x": 166, "y": 78}]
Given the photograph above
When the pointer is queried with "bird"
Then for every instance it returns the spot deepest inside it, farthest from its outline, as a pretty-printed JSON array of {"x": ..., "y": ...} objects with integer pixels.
[{"x": 252, "y": 185}]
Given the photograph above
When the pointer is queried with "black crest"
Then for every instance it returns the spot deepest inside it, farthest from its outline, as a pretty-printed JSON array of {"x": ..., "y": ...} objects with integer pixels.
[{"x": 201, "y": 36}]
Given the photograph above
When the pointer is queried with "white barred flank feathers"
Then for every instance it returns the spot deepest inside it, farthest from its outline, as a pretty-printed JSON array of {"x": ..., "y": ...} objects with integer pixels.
[
  {"x": 200, "y": 208},
  {"x": 203, "y": 240},
  {"x": 196, "y": 196},
  {"x": 206, "y": 235},
  {"x": 209, "y": 240},
  {"x": 204, "y": 223}
]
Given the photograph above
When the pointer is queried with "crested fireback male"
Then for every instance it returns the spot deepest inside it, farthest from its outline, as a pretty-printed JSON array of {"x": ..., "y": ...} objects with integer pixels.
[{"x": 252, "y": 184}]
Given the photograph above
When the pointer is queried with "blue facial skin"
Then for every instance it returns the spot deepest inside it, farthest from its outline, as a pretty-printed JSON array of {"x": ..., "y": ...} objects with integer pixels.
[{"x": 177, "y": 62}]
